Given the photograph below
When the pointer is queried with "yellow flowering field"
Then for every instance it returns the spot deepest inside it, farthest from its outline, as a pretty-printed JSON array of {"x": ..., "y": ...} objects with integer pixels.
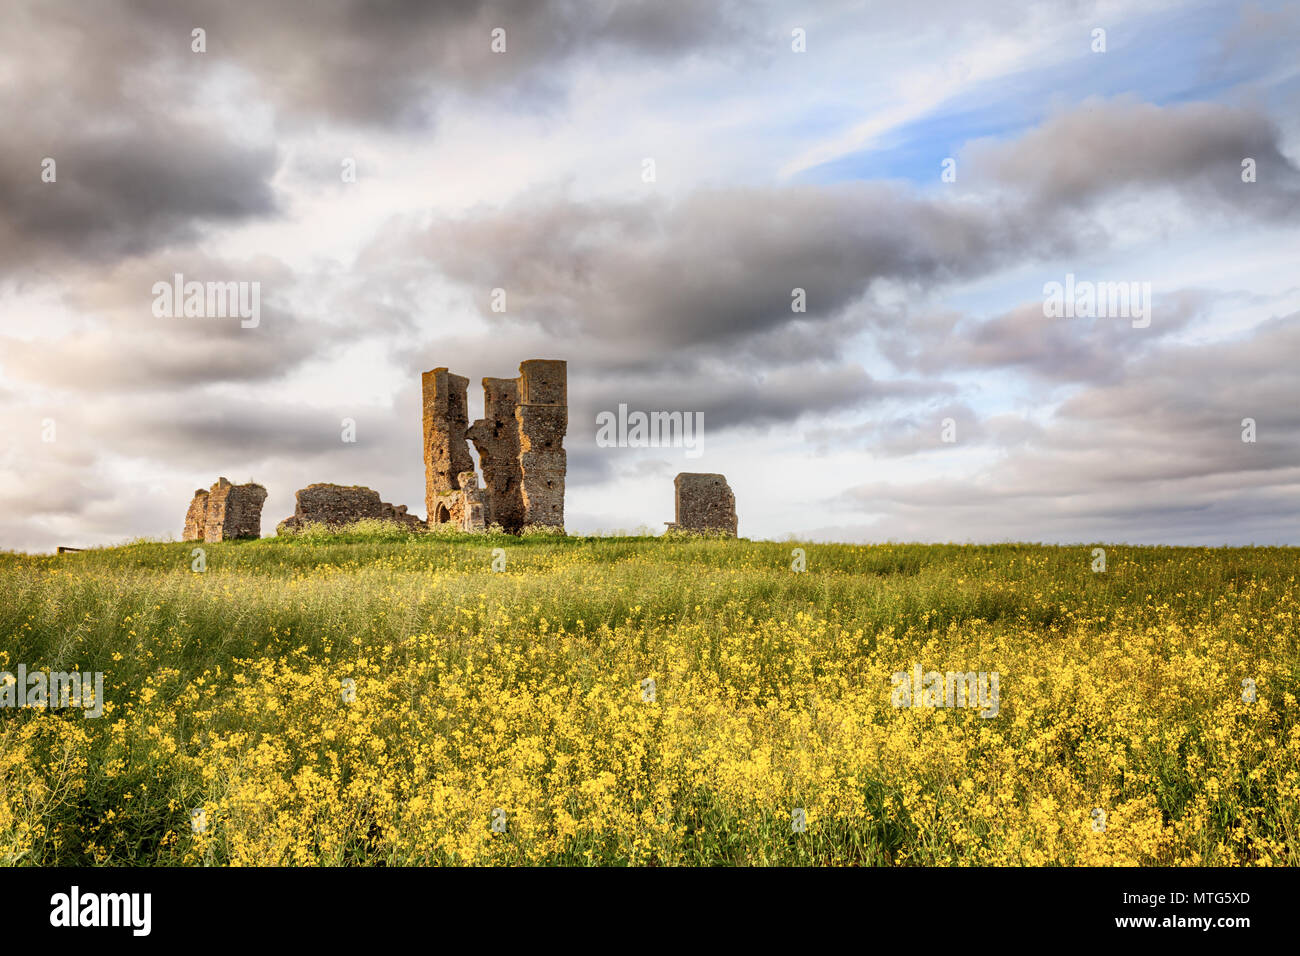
[{"x": 384, "y": 699}]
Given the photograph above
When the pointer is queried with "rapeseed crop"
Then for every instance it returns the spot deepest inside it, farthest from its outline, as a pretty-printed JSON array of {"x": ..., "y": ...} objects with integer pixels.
[{"x": 393, "y": 700}]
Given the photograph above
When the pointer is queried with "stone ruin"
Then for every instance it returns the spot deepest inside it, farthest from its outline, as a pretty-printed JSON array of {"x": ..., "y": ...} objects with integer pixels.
[
  {"x": 704, "y": 503},
  {"x": 196, "y": 518},
  {"x": 340, "y": 505},
  {"x": 520, "y": 444},
  {"x": 225, "y": 512}
]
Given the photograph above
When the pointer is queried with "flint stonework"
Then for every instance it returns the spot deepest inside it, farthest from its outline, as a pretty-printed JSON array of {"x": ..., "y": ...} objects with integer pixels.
[
  {"x": 338, "y": 506},
  {"x": 705, "y": 503},
  {"x": 233, "y": 511},
  {"x": 520, "y": 443},
  {"x": 446, "y": 453},
  {"x": 196, "y": 518},
  {"x": 470, "y": 509},
  {"x": 496, "y": 438},
  {"x": 543, "y": 417}
]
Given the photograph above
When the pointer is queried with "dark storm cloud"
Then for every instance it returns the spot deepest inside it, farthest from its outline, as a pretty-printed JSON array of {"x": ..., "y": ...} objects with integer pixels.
[
  {"x": 716, "y": 269},
  {"x": 1102, "y": 147},
  {"x": 730, "y": 398},
  {"x": 729, "y": 394},
  {"x": 700, "y": 288},
  {"x": 719, "y": 267},
  {"x": 1184, "y": 407},
  {"x": 120, "y": 194},
  {"x": 203, "y": 432},
  {"x": 382, "y": 61},
  {"x": 141, "y": 159},
  {"x": 114, "y": 94}
]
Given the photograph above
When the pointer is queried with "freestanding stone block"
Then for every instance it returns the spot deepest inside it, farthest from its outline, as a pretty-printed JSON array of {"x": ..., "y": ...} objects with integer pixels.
[
  {"x": 543, "y": 418},
  {"x": 704, "y": 503},
  {"x": 233, "y": 511},
  {"x": 196, "y": 518},
  {"x": 340, "y": 505},
  {"x": 446, "y": 454}
]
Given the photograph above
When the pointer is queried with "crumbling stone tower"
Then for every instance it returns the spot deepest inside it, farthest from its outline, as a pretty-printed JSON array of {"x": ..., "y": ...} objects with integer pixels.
[
  {"x": 496, "y": 438},
  {"x": 446, "y": 455},
  {"x": 543, "y": 417},
  {"x": 520, "y": 444},
  {"x": 225, "y": 512}
]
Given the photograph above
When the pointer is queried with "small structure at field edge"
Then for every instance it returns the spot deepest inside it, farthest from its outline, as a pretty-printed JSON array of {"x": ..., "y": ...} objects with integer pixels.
[
  {"x": 338, "y": 506},
  {"x": 225, "y": 512},
  {"x": 704, "y": 503}
]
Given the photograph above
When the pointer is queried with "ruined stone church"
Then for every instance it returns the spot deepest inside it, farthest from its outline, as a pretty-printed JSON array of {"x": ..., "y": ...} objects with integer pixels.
[{"x": 520, "y": 445}]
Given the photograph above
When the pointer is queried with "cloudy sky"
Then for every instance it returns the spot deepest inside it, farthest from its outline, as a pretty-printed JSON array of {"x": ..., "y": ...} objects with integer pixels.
[{"x": 649, "y": 182}]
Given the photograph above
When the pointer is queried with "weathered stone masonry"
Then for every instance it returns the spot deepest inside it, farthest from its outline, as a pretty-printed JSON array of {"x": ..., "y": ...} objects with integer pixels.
[
  {"x": 520, "y": 443},
  {"x": 496, "y": 438},
  {"x": 446, "y": 456},
  {"x": 704, "y": 502},
  {"x": 340, "y": 505},
  {"x": 196, "y": 518},
  {"x": 225, "y": 512},
  {"x": 543, "y": 416}
]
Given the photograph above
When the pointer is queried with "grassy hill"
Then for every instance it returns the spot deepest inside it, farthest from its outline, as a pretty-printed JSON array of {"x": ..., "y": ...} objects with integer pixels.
[{"x": 379, "y": 699}]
